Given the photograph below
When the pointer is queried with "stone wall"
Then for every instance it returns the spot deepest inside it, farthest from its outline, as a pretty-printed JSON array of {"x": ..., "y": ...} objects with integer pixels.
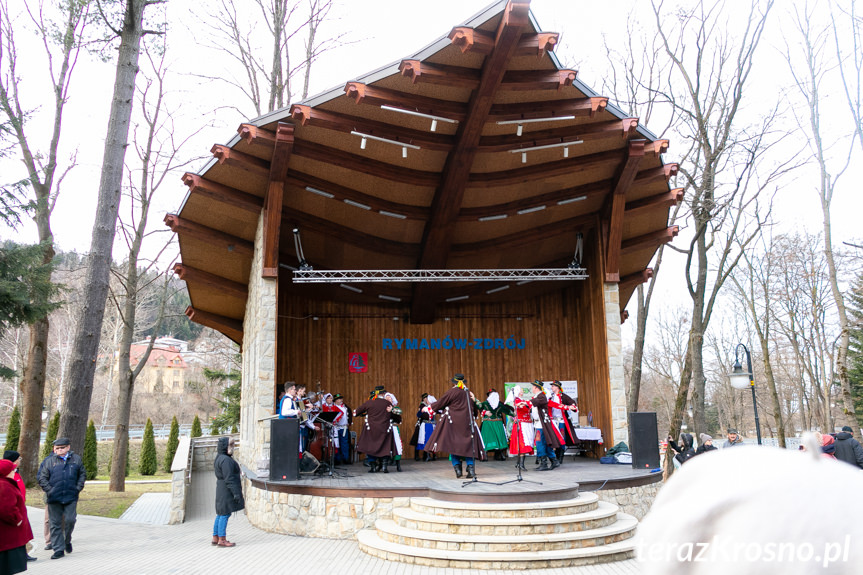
[
  {"x": 620, "y": 425},
  {"x": 259, "y": 362},
  {"x": 633, "y": 500},
  {"x": 316, "y": 516}
]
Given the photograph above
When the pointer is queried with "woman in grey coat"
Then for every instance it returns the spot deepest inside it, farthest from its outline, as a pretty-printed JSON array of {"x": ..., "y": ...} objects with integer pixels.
[{"x": 229, "y": 490}]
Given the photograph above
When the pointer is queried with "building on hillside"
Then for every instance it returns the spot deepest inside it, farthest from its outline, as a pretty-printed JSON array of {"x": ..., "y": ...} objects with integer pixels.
[{"x": 165, "y": 371}]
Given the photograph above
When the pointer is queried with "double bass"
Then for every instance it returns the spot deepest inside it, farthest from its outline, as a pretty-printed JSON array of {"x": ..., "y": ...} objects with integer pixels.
[{"x": 316, "y": 434}]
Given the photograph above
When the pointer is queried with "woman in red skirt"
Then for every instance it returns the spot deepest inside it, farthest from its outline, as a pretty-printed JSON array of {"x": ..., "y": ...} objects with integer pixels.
[{"x": 521, "y": 441}]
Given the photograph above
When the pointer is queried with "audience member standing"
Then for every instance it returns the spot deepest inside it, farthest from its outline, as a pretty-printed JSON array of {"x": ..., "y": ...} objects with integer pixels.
[
  {"x": 848, "y": 449},
  {"x": 705, "y": 445},
  {"x": 15, "y": 529},
  {"x": 61, "y": 477},
  {"x": 229, "y": 490},
  {"x": 733, "y": 438},
  {"x": 15, "y": 457}
]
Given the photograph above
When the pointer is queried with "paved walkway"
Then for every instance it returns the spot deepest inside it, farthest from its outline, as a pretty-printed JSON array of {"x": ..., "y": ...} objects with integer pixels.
[{"x": 117, "y": 547}]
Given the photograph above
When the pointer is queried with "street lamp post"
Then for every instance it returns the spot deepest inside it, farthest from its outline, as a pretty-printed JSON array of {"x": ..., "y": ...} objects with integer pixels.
[{"x": 742, "y": 379}]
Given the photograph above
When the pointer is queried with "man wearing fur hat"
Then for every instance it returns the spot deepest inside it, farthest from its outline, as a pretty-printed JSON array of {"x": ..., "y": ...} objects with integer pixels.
[
  {"x": 548, "y": 437},
  {"x": 376, "y": 439},
  {"x": 560, "y": 405},
  {"x": 457, "y": 432}
]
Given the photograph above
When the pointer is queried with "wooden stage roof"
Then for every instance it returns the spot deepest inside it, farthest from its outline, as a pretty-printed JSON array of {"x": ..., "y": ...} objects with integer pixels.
[{"x": 478, "y": 152}]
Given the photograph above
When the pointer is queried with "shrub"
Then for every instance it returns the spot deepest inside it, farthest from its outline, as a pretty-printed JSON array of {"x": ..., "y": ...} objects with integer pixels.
[
  {"x": 90, "y": 457},
  {"x": 13, "y": 432},
  {"x": 196, "y": 427},
  {"x": 148, "y": 464},
  {"x": 51, "y": 435},
  {"x": 173, "y": 442}
]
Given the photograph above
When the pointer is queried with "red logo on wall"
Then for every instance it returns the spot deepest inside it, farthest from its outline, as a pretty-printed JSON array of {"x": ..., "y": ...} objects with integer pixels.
[{"x": 358, "y": 362}]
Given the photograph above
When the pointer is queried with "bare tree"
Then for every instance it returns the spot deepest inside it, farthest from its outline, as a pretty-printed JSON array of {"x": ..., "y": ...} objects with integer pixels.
[
  {"x": 76, "y": 404},
  {"x": 811, "y": 48},
  {"x": 61, "y": 36}
]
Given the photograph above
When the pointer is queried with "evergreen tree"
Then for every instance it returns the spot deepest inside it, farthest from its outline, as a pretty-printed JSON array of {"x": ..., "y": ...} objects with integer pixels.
[
  {"x": 855, "y": 347},
  {"x": 196, "y": 427},
  {"x": 215, "y": 429},
  {"x": 234, "y": 429},
  {"x": 90, "y": 457},
  {"x": 148, "y": 463},
  {"x": 51, "y": 435},
  {"x": 173, "y": 442},
  {"x": 13, "y": 432},
  {"x": 230, "y": 400}
]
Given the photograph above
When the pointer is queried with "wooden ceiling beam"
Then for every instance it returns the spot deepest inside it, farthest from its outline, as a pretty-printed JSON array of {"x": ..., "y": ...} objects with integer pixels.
[
  {"x": 632, "y": 280},
  {"x": 363, "y": 94},
  {"x": 624, "y": 315},
  {"x": 480, "y": 42},
  {"x": 275, "y": 195},
  {"x": 615, "y": 130},
  {"x": 344, "y": 123},
  {"x": 437, "y": 237},
  {"x": 524, "y": 80},
  {"x": 537, "y": 44},
  {"x": 341, "y": 193},
  {"x": 335, "y": 157},
  {"x": 537, "y": 234},
  {"x": 233, "y": 328},
  {"x": 662, "y": 201},
  {"x": 418, "y": 71},
  {"x": 218, "y": 239},
  {"x": 544, "y": 170},
  {"x": 222, "y": 285},
  {"x": 308, "y": 222},
  {"x": 257, "y": 137},
  {"x": 578, "y": 107},
  {"x": 253, "y": 165},
  {"x": 549, "y": 199},
  {"x": 649, "y": 240},
  {"x": 223, "y": 194},
  {"x": 635, "y": 153},
  {"x": 661, "y": 174}
]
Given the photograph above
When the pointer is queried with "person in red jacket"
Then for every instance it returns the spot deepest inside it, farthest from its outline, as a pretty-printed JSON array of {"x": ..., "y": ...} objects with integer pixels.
[{"x": 15, "y": 529}]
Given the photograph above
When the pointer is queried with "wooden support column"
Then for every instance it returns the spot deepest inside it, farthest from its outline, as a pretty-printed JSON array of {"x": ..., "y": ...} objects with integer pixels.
[
  {"x": 618, "y": 204},
  {"x": 275, "y": 195}
]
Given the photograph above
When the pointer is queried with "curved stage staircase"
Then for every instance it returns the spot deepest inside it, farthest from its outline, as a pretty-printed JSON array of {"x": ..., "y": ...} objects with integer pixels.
[{"x": 447, "y": 532}]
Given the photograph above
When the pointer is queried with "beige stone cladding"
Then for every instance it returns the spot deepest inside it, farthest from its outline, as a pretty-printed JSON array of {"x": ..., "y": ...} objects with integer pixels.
[{"x": 617, "y": 383}]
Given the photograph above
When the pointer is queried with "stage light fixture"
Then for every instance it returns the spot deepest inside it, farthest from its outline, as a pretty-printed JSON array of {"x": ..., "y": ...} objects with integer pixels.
[
  {"x": 571, "y": 200},
  {"x": 356, "y": 204},
  {"x": 319, "y": 192},
  {"x": 530, "y": 210},
  {"x": 351, "y": 288},
  {"x": 366, "y": 137},
  {"x": 457, "y": 298},
  {"x": 492, "y": 218},
  {"x": 389, "y": 298},
  {"x": 392, "y": 215},
  {"x": 520, "y": 123},
  {"x": 564, "y": 145},
  {"x": 298, "y": 247},
  {"x": 497, "y": 289},
  {"x": 432, "y": 117}
]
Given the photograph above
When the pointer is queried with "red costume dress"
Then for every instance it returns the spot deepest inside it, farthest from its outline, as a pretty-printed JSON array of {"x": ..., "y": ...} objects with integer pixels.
[{"x": 521, "y": 441}]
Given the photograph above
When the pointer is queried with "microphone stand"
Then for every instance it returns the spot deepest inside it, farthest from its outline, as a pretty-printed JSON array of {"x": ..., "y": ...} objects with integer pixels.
[{"x": 472, "y": 423}]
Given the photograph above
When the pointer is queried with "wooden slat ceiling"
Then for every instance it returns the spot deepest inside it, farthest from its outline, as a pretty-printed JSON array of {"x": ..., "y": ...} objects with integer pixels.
[{"x": 460, "y": 196}]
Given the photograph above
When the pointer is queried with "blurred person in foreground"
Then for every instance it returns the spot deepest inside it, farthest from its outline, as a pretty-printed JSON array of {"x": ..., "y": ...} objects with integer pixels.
[{"x": 770, "y": 511}]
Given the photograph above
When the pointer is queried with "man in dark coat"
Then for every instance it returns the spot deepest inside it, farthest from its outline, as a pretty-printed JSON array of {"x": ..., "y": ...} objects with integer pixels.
[
  {"x": 61, "y": 477},
  {"x": 229, "y": 490},
  {"x": 457, "y": 432},
  {"x": 548, "y": 437},
  {"x": 376, "y": 440},
  {"x": 848, "y": 449}
]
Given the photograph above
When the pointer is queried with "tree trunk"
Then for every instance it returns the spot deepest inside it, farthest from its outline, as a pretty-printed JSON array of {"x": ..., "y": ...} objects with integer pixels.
[
  {"x": 637, "y": 355},
  {"x": 33, "y": 388},
  {"x": 76, "y": 404}
]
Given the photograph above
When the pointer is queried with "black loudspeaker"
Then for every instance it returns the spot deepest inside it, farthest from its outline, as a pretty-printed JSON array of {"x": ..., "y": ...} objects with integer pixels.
[
  {"x": 284, "y": 449},
  {"x": 645, "y": 440}
]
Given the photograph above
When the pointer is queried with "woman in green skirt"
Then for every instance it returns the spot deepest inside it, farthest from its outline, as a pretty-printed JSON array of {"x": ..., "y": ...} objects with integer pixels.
[{"x": 493, "y": 430}]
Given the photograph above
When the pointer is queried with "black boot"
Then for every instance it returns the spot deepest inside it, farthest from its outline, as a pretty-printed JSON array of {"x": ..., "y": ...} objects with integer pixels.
[
  {"x": 373, "y": 466},
  {"x": 426, "y": 456},
  {"x": 458, "y": 470},
  {"x": 417, "y": 454},
  {"x": 434, "y": 456},
  {"x": 470, "y": 472},
  {"x": 386, "y": 461},
  {"x": 555, "y": 462},
  {"x": 520, "y": 463},
  {"x": 399, "y": 465},
  {"x": 559, "y": 452},
  {"x": 543, "y": 464},
  {"x": 538, "y": 461}
]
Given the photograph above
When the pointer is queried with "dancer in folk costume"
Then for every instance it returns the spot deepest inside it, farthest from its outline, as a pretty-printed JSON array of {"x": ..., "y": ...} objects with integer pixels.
[
  {"x": 457, "y": 433},
  {"x": 522, "y": 438},
  {"x": 560, "y": 407},
  {"x": 548, "y": 437},
  {"x": 423, "y": 429},
  {"x": 395, "y": 420},
  {"x": 493, "y": 430},
  {"x": 376, "y": 440}
]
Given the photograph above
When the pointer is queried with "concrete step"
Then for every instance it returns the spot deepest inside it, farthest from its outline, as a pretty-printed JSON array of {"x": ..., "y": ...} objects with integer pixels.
[
  {"x": 584, "y": 502},
  {"x": 603, "y": 515},
  {"x": 623, "y": 528},
  {"x": 372, "y": 543}
]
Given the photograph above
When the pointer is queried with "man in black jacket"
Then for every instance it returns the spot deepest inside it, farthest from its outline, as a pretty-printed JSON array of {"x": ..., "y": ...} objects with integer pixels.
[
  {"x": 848, "y": 449},
  {"x": 61, "y": 477}
]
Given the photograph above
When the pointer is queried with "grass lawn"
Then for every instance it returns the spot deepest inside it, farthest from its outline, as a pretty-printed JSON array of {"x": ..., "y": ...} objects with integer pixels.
[{"x": 97, "y": 500}]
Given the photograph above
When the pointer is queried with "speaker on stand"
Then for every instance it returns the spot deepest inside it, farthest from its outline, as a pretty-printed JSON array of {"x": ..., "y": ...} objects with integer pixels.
[
  {"x": 284, "y": 449},
  {"x": 644, "y": 440}
]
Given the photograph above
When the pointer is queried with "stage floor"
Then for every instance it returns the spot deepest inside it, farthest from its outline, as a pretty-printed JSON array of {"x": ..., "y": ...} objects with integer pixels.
[{"x": 419, "y": 479}]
